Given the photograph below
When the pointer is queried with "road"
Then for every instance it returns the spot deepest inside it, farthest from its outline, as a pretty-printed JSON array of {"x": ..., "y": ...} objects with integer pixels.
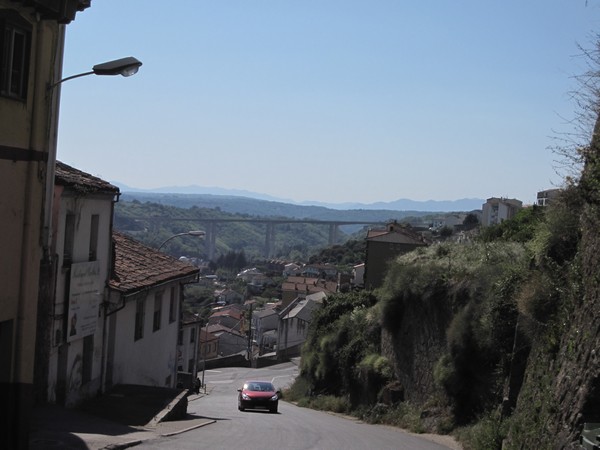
[{"x": 292, "y": 428}]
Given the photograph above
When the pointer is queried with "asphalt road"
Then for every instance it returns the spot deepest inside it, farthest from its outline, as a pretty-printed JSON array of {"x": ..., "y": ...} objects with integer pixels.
[{"x": 291, "y": 428}]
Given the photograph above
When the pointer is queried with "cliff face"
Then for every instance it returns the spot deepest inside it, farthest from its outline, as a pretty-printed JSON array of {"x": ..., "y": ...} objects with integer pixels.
[
  {"x": 564, "y": 390},
  {"x": 416, "y": 347},
  {"x": 479, "y": 351}
]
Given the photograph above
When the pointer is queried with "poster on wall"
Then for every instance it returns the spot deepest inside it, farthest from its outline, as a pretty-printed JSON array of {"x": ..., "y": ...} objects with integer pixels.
[{"x": 84, "y": 299}]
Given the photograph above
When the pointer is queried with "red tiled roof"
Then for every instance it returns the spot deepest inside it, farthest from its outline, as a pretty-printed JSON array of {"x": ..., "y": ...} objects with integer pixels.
[
  {"x": 228, "y": 312},
  {"x": 81, "y": 181},
  {"x": 138, "y": 267},
  {"x": 398, "y": 235},
  {"x": 188, "y": 318}
]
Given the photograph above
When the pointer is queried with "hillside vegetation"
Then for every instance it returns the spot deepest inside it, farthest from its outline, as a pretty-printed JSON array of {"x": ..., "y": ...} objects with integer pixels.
[{"x": 480, "y": 339}]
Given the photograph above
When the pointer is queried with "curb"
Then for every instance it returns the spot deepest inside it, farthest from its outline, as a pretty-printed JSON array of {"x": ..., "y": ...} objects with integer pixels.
[
  {"x": 120, "y": 446},
  {"x": 173, "y": 433}
]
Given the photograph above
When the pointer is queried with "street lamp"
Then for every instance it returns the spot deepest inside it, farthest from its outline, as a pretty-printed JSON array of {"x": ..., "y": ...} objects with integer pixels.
[
  {"x": 204, "y": 354},
  {"x": 197, "y": 233},
  {"x": 125, "y": 67}
]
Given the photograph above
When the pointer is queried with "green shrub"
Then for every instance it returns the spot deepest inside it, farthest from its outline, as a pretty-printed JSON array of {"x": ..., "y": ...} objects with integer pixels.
[{"x": 485, "y": 434}]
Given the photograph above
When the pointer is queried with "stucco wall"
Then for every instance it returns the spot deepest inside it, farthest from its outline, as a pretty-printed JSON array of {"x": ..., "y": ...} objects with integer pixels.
[
  {"x": 65, "y": 383},
  {"x": 151, "y": 360}
]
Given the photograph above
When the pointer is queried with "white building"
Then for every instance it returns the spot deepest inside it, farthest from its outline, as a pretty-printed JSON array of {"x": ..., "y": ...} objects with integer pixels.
[
  {"x": 188, "y": 343},
  {"x": 544, "y": 198},
  {"x": 496, "y": 210},
  {"x": 293, "y": 323},
  {"x": 358, "y": 275},
  {"x": 82, "y": 217},
  {"x": 146, "y": 294},
  {"x": 263, "y": 321}
]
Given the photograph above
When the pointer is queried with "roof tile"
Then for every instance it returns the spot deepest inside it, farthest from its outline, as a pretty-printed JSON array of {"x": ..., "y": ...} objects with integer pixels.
[{"x": 138, "y": 267}]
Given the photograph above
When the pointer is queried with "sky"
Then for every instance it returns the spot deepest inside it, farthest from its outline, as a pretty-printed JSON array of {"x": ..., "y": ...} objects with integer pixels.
[{"x": 327, "y": 100}]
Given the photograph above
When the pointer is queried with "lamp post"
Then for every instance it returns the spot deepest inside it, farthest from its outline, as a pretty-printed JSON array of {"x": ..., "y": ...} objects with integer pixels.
[
  {"x": 204, "y": 355},
  {"x": 125, "y": 67},
  {"x": 197, "y": 233}
]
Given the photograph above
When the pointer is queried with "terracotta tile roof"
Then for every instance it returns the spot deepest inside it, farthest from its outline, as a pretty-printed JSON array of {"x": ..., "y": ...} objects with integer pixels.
[
  {"x": 81, "y": 181},
  {"x": 228, "y": 312},
  {"x": 189, "y": 318},
  {"x": 138, "y": 267},
  {"x": 399, "y": 235}
]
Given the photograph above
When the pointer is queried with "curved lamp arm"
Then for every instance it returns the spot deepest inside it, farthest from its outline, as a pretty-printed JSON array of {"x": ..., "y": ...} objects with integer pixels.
[
  {"x": 197, "y": 233},
  {"x": 125, "y": 67}
]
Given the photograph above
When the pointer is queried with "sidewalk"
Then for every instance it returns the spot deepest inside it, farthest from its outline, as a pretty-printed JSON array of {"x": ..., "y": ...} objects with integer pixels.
[{"x": 58, "y": 427}]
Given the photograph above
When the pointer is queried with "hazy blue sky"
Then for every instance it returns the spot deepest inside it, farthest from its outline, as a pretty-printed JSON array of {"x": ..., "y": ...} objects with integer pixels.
[{"x": 328, "y": 100}]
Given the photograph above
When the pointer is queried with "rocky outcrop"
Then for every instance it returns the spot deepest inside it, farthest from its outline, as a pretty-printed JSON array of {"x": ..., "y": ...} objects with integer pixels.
[{"x": 417, "y": 346}]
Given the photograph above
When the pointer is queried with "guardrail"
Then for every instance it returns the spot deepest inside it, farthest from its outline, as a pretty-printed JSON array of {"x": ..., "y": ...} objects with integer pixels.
[{"x": 590, "y": 436}]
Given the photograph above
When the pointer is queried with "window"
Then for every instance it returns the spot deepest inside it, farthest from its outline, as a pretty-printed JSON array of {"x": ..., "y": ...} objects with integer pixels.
[
  {"x": 139, "y": 319},
  {"x": 87, "y": 359},
  {"x": 193, "y": 335},
  {"x": 6, "y": 350},
  {"x": 93, "y": 254},
  {"x": 172, "y": 306},
  {"x": 15, "y": 47},
  {"x": 191, "y": 365},
  {"x": 69, "y": 240},
  {"x": 180, "y": 338},
  {"x": 157, "y": 311}
]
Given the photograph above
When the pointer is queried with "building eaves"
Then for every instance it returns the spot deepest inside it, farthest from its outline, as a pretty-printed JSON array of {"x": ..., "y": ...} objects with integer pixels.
[
  {"x": 137, "y": 267},
  {"x": 82, "y": 182},
  {"x": 62, "y": 11}
]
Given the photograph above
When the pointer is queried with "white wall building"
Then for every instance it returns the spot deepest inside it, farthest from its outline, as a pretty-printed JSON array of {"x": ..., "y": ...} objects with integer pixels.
[
  {"x": 496, "y": 210},
  {"x": 188, "y": 343},
  {"x": 82, "y": 216},
  {"x": 146, "y": 292},
  {"x": 293, "y": 323}
]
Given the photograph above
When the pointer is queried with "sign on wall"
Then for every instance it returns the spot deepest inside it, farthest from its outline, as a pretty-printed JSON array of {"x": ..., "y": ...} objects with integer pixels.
[{"x": 84, "y": 299}]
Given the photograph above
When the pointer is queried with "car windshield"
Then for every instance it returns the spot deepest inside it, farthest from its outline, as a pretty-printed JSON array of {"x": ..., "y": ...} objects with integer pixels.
[{"x": 259, "y": 386}]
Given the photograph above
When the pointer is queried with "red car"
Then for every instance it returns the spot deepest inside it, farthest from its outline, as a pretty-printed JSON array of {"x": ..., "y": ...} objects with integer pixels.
[{"x": 258, "y": 395}]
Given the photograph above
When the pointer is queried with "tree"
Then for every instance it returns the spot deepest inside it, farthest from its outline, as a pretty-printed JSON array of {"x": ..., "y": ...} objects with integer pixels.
[{"x": 471, "y": 221}]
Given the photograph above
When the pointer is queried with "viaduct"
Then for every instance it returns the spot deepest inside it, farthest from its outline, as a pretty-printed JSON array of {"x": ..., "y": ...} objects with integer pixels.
[{"x": 211, "y": 228}]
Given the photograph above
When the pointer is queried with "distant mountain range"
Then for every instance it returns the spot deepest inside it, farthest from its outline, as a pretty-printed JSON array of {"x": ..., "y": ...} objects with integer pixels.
[{"x": 405, "y": 205}]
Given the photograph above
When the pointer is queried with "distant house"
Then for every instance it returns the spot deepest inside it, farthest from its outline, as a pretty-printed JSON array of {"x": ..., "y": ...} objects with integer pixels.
[
  {"x": 292, "y": 269},
  {"x": 263, "y": 321},
  {"x": 544, "y": 198},
  {"x": 248, "y": 275},
  {"x": 209, "y": 345},
  {"x": 496, "y": 210},
  {"x": 232, "y": 318},
  {"x": 294, "y": 287},
  {"x": 385, "y": 245},
  {"x": 325, "y": 271},
  {"x": 294, "y": 321},
  {"x": 275, "y": 266},
  {"x": 228, "y": 296},
  {"x": 146, "y": 294},
  {"x": 188, "y": 343},
  {"x": 358, "y": 275},
  {"x": 229, "y": 341}
]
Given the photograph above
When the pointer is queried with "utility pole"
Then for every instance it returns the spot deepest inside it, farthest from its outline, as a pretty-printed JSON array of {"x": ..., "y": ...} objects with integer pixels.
[
  {"x": 250, "y": 336},
  {"x": 204, "y": 354}
]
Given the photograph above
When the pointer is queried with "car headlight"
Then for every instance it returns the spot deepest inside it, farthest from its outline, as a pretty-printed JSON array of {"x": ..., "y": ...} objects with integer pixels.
[
  {"x": 245, "y": 397},
  {"x": 274, "y": 398}
]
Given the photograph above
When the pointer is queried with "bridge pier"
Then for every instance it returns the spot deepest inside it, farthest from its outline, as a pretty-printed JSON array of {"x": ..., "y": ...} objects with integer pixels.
[
  {"x": 211, "y": 240},
  {"x": 333, "y": 233},
  {"x": 269, "y": 239}
]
